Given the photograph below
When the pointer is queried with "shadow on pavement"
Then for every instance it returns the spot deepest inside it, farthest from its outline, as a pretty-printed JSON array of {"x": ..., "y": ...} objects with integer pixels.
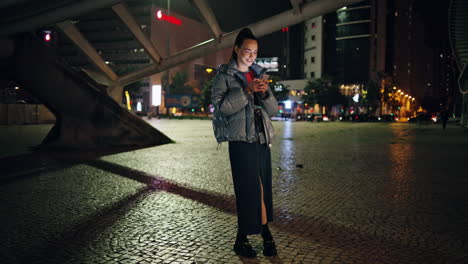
[
  {"x": 306, "y": 227},
  {"x": 74, "y": 240},
  {"x": 19, "y": 167},
  {"x": 221, "y": 202},
  {"x": 315, "y": 230}
]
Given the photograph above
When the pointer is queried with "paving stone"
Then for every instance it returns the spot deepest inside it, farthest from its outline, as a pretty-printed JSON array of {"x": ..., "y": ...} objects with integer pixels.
[{"x": 365, "y": 193}]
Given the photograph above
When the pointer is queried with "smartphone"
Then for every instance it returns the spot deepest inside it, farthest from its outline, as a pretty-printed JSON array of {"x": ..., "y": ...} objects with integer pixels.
[{"x": 265, "y": 77}]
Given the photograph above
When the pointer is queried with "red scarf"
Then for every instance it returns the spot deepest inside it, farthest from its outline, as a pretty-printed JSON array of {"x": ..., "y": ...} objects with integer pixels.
[{"x": 249, "y": 76}]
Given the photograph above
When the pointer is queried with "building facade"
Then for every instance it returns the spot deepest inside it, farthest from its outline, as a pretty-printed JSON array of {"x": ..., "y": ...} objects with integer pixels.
[
  {"x": 420, "y": 55},
  {"x": 313, "y": 40},
  {"x": 170, "y": 36},
  {"x": 347, "y": 41}
]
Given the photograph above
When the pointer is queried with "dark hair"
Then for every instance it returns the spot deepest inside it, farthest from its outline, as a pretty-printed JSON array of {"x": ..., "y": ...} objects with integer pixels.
[{"x": 244, "y": 34}]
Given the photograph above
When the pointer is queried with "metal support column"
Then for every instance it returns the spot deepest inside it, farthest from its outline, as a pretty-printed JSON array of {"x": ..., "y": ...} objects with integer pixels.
[
  {"x": 122, "y": 11},
  {"x": 209, "y": 17}
]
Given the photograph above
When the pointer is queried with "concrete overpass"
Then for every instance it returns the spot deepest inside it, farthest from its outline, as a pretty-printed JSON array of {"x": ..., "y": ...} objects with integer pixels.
[{"x": 87, "y": 109}]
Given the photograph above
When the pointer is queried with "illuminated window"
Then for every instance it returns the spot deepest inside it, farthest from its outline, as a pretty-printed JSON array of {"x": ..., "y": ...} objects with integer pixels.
[{"x": 156, "y": 95}]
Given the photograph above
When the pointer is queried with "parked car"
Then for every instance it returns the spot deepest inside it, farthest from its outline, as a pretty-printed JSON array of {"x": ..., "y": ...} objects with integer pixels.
[
  {"x": 388, "y": 118},
  {"x": 423, "y": 118},
  {"x": 317, "y": 117}
]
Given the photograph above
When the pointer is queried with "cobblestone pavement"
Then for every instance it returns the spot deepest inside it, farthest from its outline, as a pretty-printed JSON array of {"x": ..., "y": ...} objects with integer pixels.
[{"x": 343, "y": 193}]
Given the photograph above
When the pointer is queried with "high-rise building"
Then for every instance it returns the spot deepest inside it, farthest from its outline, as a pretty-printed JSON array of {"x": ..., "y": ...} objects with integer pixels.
[
  {"x": 419, "y": 51},
  {"x": 313, "y": 29},
  {"x": 347, "y": 43}
]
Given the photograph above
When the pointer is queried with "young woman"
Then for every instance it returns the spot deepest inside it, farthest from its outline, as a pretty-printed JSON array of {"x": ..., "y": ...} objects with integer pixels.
[{"x": 243, "y": 105}]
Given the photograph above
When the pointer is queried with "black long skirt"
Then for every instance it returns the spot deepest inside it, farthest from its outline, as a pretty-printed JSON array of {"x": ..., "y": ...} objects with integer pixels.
[{"x": 251, "y": 166}]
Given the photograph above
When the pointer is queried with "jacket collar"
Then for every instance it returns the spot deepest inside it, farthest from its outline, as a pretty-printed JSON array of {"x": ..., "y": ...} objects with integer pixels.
[{"x": 231, "y": 69}]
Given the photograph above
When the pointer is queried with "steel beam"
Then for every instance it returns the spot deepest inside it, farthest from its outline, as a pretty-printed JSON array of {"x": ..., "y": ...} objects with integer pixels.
[
  {"x": 122, "y": 11},
  {"x": 8, "y": 3},
  {"x": 261, "y": 28},
  {"x": 296, "y": 4},
  {"x": 209, "y": 17},
  {"x": 54, "y": 16},
  {"x": 80, "y": 41}
]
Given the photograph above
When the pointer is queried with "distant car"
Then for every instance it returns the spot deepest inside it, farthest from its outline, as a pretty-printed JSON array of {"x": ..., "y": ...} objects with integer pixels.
[
  {"x": 423, "y": 118},
  {"x": 301, "y": 117},
  {"x": 372, "y": 119},
  {"x": 387, "y": 118},
  {"x": 453, "y": 120},
  {"x": 317, "y": 117}
]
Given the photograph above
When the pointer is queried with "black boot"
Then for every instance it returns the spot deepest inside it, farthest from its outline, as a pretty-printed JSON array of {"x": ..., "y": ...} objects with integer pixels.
[
  {"x": 243, "y": 248},
  {"x": 269, "y": 247}
]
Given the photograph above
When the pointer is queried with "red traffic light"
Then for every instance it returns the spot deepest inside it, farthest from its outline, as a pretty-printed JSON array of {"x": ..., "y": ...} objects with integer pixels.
[{"x": 47, "y": 37}]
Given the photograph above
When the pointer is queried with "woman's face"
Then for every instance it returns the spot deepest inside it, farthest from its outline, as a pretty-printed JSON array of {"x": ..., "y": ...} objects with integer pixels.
[{"x": 246, "y": 54}]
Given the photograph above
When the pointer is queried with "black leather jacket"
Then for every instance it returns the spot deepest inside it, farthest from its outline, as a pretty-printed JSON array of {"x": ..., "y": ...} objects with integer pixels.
[{"x": 233, "y": 118}]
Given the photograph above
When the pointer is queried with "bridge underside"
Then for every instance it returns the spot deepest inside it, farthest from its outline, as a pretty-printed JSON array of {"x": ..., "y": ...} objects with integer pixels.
[{"x": 88, "y": 112}]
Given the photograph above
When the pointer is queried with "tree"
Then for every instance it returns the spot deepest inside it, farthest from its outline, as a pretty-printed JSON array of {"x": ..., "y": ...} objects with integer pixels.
[
  {"x": 323, "y": 91},
  {"x": 387, "y": 94},
  {"x": 310, "y": 96},
  {"x": 205, "y": 99},
  {"x": 371, "y": 95},
  {"x": 178, "y": 82}
]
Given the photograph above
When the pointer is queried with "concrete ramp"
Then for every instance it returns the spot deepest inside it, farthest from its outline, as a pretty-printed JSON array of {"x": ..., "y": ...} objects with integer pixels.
[{"x": 86, "y": 116}]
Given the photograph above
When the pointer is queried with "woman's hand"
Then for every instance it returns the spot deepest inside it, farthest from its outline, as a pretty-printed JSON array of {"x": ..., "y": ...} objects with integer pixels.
[{"x": 258, "y": 85}]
